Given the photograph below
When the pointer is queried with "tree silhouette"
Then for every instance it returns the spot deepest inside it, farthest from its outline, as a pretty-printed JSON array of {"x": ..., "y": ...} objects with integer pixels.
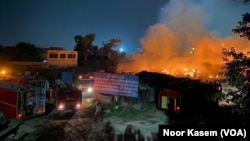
[
  {"x": 26, "y": 52},
  {"x": 236, "y": 73},
  {"x": 243, "y": 27},
  {"x": 84, "y": 47},
  {"x": 236, "y": 69},
  {"x": 109, "y": 55}
]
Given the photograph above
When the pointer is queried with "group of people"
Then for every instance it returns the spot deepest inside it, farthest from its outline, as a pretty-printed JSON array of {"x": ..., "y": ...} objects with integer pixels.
[{"x": 130, "y": 133}]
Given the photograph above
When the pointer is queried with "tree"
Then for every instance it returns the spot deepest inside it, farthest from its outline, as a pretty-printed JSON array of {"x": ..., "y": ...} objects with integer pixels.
[
  {"x": 84, "y": 46},
  {"x": 246, "y": 1},
  {"x": 236, "y": 69},
  {"x": 235, "y": 72},
  {"x": 243, "y": 27},
  {"x": 2, "y": 55},
  {"x": 109, "y": 55},
  {"x": 26, "y": 52}
]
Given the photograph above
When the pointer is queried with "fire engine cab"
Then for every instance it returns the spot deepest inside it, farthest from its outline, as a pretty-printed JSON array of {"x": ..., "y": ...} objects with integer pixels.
[
  {"x": 67, "y": 97},
  {"x": 85, "y": 83}
]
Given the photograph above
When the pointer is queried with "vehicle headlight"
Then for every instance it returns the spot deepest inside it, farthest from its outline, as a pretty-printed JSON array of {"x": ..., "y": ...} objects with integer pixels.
[
  {"x": 78, "y": 106},
  {"x": 60, "y": 106},
  {"x": 90, "y": 89}
]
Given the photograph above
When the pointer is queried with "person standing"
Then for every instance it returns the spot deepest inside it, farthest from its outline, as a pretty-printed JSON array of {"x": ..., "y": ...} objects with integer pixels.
[
  {"x": 129, "y": 134},
  {"x": 102, "y": 109},
  {"x": 97, "y": 110}
]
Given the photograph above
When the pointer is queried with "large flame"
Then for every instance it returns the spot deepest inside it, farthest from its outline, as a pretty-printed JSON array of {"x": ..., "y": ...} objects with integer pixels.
[{"x": 181, "y": 45}]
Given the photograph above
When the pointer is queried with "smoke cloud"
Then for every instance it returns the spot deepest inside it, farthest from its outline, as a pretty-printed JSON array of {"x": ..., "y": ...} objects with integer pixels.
[{"x": 189, "y": 39}]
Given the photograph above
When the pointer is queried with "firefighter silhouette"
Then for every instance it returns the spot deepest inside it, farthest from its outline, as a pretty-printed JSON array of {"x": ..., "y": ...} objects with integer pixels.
[{"x": 29, "y": 108}]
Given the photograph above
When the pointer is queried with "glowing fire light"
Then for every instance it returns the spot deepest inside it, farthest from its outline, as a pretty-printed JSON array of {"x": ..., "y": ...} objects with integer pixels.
[
  {"x": 3, "y": 72},
  {"x": 172, "y": 44}
]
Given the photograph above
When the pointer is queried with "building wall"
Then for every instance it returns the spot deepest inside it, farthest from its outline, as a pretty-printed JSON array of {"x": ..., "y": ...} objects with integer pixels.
[
  {"x": 61, "y": 58},
  {"x": 51, "y": 58}
]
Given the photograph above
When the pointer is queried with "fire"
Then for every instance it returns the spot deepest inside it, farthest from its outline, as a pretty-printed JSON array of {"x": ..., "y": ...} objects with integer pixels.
[{"x": 182, "y": 46}]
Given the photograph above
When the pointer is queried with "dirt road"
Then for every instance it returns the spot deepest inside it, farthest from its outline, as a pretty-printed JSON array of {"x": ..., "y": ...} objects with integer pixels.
[{"x": 147, "y": 121}]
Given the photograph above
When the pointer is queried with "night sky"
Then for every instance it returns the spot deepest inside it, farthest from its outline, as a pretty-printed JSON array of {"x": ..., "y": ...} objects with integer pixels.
[{"x": 54, "y": 23}]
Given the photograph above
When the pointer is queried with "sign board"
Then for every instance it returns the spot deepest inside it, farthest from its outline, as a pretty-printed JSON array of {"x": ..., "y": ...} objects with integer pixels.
[
  {"x": 66, "y": 77},
  {"x": 116, "y": 84}
]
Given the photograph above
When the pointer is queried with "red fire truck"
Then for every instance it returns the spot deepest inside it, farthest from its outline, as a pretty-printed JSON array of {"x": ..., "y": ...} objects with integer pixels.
[
  {"x": 188, "y": 97},
  {"x": 85, "y": 83},
  {"x": 20, "y": 101},
  {"x": 67, "y": 97}
]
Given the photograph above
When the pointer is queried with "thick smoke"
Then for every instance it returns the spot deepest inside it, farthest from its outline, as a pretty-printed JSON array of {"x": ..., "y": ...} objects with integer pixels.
[{"x": 187, "y": 40}]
